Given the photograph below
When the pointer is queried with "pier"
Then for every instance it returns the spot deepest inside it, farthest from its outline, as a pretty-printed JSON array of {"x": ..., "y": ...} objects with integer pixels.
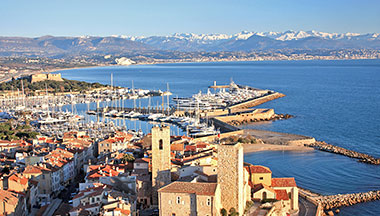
[{"x": 256, "y": 101}]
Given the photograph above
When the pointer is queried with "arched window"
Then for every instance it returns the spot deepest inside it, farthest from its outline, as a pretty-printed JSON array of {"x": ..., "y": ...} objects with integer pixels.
[
  {"x": 264, "y": 195},
  {"x": 160, "y": 144}
]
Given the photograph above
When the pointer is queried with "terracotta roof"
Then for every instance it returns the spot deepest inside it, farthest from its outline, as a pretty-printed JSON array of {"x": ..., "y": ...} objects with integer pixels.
[
  {"x": 20, "y": 179},
  {"x": 4, "y": 142},
  {"x": 177, "y": 147},
  {"x": 32, "y": 170},
  {"x": 284, "y": 182},
  {"x": 258, "y": 187},
  {"x": 202, "y": 145},
  {"x": 9, "y": 197},
  {"x": 281, "y": 195},
  {"x": 123, "y": 211},
  {"x": 258, "y": 169},
  {"x": 190, "y": 148},
  {"x": 190, "y": 187}
]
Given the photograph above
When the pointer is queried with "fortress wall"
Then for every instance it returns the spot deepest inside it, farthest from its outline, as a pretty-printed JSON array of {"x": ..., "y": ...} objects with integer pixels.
[{"x": 257, "y": 101}]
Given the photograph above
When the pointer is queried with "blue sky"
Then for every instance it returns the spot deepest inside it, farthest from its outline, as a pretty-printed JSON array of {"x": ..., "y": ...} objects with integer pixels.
[{"x": 142, "y": 17}]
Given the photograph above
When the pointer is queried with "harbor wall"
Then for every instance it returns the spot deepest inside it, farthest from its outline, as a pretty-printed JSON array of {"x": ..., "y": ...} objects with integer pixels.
[
  {"x": 223, "y": 126},
  {"x": 257, "y": 101},
  {"x": 221, "y": 136},
  {"x": 254, "y": 115},
  {"x": 301, "y": 142},
  {"x": 341, "y": 200}
]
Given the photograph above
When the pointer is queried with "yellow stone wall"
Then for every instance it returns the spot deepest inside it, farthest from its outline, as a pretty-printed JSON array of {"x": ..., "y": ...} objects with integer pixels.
[{"x": 266, "y": 178}]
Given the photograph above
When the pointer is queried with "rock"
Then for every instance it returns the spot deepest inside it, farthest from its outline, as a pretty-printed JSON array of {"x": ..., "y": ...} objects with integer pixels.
[{"x": 331, "y": 213}]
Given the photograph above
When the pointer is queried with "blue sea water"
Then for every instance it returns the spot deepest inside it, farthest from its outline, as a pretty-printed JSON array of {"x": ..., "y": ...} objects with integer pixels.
[{"x": 334, "y": 101}]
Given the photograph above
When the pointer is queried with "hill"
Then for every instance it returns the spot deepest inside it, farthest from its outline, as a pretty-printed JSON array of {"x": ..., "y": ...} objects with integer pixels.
[{"x": 52, "y": 86}]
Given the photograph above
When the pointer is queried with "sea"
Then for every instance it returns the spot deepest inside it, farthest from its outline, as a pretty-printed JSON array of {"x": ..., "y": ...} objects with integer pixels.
[{"x": 333, "y": 101}]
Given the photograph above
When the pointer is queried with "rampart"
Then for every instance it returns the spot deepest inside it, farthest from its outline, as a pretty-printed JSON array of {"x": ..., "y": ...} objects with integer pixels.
[
  {"x": 257, "y": 101},
  {"x": 42, "y": 77}
]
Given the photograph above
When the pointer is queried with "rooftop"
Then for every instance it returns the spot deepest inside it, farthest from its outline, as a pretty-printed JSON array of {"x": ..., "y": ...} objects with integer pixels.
[{"x": 190, "y": 187}]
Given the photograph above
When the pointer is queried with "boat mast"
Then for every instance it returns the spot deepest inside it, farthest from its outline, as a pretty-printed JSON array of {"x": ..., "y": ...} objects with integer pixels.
[
  {"x": 23, "y": 98},
  {"x": 167, "y": 91}
]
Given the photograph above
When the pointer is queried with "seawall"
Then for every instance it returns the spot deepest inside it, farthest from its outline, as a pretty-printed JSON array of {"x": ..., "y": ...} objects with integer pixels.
[
  {"x": 256, "y": 102},
  {"x": 340, "y": 200}
]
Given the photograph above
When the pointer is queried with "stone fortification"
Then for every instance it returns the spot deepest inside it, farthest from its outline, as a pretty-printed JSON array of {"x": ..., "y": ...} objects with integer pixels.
[
  {"x": 161, "y": 164},
  {"x": 42, "y": 77},
  {"x": 256, "y": 102},
  {"x": 231, "y": 176}
]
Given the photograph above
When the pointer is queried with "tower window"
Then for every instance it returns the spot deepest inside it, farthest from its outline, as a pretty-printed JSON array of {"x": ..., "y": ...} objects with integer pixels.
[
  {"x": 160, "y": 144},
  {"x": 261, "y": 178},
  {"x": 208, "y": 201},
  {"x": 178, "y": 200}
]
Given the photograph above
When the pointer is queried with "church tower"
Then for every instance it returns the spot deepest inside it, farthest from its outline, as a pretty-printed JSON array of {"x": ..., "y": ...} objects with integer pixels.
[
  {"x": 161, "y": 163},
  {"x": 231, "y": 176}
]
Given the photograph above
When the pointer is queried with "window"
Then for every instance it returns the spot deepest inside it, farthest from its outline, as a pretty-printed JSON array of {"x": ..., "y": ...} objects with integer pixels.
[
  {"x": 173, "y": 214},
  {"x": 43, "y": 176},
  {"x": 261, "y": 178},
  {"x": 92, "y": 199},
  {"x": 160, "y": 144},
  {"x": 97, "y": 198},
  {"x": 290, "y": 195},
  {"x": 178, "y": 200},
  {"x": 208, "y": 201}
]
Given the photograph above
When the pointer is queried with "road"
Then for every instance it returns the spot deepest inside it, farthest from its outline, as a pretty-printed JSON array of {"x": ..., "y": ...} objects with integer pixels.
[{"x": 306, "y": 208}]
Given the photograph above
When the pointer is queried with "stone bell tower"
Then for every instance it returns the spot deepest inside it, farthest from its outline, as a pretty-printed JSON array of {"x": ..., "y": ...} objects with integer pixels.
[
  {"x": 161, "y": 163},
  {"x": 231, "y": 176}
]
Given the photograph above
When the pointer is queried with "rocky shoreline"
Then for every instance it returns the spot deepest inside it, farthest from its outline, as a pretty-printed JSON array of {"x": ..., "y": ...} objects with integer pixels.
[
  {"x": 340, "y": 200},
  {"x": 272, "y": 118},
  {"x": 323, "y": 146}
]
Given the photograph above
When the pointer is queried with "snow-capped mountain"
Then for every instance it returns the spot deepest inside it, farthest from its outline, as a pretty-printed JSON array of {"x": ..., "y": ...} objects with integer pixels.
[{"x": 246, "y": 39}]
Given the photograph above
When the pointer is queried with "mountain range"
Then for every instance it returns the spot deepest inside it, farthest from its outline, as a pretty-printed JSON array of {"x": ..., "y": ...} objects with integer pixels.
[
  {"x": 249, "y": 41},
  {"x": 244, "y": 41}
]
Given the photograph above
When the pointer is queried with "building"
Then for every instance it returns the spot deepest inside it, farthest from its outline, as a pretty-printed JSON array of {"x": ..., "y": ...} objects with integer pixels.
[
  {"x": 112, "y": 144},
  {"x": 42, "y": 77},
  {"x": 230, "y": 190},
  {"x": 264, "y": 187},
  {"x": 187, "y": 198},
  {"x": 12, "y": 203},
  {"x": 161, "y": 164}
]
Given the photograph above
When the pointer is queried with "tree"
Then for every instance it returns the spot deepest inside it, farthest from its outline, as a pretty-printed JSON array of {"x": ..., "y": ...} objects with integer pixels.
[
  {"x": 233, "y": 212},
  {"x": 223, "y": 212},
  {"x": 128, "y": 158}
]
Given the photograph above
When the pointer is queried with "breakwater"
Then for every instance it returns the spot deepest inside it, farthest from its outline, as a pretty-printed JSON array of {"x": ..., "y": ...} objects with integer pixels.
[
  {"x": 237, "y": 122},
  {"x": 341, "y": 200},
  {"x": 322, "y": 146},
  {"x": 255, "y": 102}
]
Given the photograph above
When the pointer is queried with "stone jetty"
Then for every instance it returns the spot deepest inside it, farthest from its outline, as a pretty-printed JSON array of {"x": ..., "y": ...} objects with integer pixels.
[
  {"x": 322, "y": 146},
  {"x": 341, "y": 200},
  {"x": 272, "y": 118}
]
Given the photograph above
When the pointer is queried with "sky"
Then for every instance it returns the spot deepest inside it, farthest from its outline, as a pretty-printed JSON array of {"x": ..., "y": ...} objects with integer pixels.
[{"x": 33, "y": 18}]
